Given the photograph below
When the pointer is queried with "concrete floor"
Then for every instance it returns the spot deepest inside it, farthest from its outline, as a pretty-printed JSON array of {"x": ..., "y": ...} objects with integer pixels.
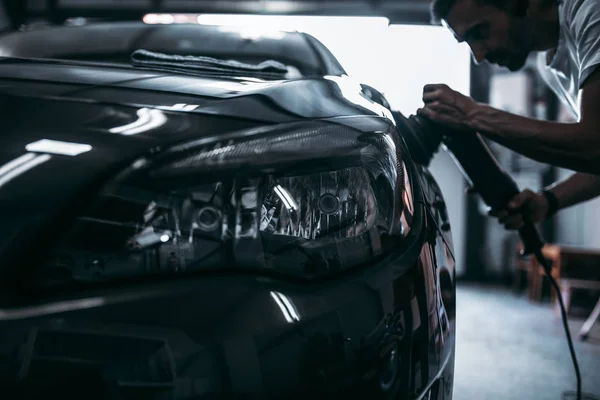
[{"x": 509, "y": 349}]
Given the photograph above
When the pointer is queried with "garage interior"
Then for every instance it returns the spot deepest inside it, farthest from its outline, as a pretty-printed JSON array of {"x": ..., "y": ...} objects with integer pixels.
[{"x": 510, "y": 341}]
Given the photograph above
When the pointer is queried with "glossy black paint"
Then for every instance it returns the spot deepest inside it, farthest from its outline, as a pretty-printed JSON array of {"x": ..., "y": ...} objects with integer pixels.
[{"x": 383, "y": 331}]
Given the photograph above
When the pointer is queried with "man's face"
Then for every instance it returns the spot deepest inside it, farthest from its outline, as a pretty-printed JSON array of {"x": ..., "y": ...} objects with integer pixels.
[{"x": 492, "y": 34}]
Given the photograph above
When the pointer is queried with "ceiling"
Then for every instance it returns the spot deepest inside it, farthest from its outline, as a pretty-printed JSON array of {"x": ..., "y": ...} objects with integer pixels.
[{"x": 397, "y": 11}]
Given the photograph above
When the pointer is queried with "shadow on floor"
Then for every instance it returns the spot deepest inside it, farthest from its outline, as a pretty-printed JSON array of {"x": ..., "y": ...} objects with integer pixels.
[{"x": 508, "y": 348}]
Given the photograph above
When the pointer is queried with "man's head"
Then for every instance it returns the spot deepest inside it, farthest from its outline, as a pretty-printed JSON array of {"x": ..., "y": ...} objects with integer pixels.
[{"x": 496, "y": 30}]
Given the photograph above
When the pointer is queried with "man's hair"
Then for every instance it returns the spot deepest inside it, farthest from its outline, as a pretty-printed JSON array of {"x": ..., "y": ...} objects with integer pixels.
[{"x": 441, "y": 8}]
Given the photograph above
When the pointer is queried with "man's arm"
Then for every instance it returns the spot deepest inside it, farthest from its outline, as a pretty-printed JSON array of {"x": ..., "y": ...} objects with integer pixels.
[
  {"x": 575, "y": 146},
  {"x": 576, "y": 189}
]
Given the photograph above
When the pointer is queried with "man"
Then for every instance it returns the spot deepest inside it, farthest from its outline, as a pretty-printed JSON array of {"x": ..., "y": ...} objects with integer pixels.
[{"x": 505, "y": 32}]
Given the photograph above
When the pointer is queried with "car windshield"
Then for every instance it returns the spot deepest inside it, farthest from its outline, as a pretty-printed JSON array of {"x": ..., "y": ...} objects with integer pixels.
[{"x": 292, "y": 54}]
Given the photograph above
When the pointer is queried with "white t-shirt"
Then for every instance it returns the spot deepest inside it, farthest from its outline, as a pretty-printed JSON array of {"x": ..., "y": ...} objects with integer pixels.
[{"x": 578, "y": 51}]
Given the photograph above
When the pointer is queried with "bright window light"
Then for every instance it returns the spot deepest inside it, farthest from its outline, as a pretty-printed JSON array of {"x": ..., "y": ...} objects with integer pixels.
[
  {"x": 398, "y": 60},
  {"x": 254, "y": 32},
  {"x": 290, "y": 23},
  {"x": 417, "y": 56},
  {"x": 339, "y": 34},
  {"x": 159, "y": 19},
  {"x": 58, "y": 147}
]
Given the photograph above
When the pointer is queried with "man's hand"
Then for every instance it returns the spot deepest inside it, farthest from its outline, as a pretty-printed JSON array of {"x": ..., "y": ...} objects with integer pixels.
[
  {"x": 448, "y": 107},
  {"x": 528, "y": 202}
]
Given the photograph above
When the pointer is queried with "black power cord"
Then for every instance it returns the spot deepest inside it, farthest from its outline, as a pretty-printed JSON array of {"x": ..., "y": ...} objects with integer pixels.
[
  {"x": 563, "y": 312},
  {"x": 548, "y": 270}
]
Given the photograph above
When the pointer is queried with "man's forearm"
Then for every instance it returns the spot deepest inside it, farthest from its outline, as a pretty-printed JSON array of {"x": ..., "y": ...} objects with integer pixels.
[
  {"x": 576, "y": 189},
  {"x": 569, "y": 145}
]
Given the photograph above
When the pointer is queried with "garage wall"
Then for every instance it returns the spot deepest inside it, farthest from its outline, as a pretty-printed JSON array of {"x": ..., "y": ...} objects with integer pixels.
[
  {"x": 578, "y": 226},
  {"x": 590, "y": 232},
  {"x": 571, "y": 223}
]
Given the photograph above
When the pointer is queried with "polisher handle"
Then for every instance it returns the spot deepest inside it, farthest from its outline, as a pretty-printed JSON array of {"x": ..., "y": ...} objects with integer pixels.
[{"x": 487, "y": 178}]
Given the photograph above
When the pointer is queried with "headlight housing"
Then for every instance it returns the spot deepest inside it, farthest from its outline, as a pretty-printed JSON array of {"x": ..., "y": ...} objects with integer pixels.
[{"x": 303, "y": 199}]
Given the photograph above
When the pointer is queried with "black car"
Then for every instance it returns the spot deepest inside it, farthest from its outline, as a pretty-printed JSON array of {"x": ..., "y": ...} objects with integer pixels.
[{"x": 189, "y": 213}]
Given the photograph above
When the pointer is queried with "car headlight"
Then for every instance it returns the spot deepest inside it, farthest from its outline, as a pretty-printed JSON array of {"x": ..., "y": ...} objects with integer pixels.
[{"x": 305, "y": 199}]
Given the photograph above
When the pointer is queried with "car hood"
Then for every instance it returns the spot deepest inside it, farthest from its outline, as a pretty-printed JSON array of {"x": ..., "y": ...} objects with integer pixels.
[
  {"x": 124, "y": 113},
  {"x": 240, "y": 97}
]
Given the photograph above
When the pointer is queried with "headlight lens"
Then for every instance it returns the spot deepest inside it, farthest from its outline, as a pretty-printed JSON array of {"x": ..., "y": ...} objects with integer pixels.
[
  {"x": 328, "y": 204},
  {"x": 304, "y": 202}
]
